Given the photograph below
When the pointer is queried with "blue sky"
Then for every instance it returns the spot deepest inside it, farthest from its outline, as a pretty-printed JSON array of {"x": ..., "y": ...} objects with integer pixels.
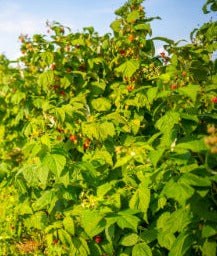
[{"x": 179, "y": 18}]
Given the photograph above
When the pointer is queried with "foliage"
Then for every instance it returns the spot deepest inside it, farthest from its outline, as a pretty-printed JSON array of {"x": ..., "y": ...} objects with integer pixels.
[{"x": 106, "y": 148}]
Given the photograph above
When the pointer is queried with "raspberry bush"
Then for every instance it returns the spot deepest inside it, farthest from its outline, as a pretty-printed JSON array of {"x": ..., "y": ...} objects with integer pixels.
[{"x": 106, "y": 147}]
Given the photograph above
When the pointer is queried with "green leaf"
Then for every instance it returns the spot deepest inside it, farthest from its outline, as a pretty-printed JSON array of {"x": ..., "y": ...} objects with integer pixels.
[
  {"x": 122, "y": 161},
  {"x": 209, "y": 248},
  {"x": 195, "y": 180},
  {"x": 39, "y": 221},
  {"x": 92, "y": 222},
  {"x": 110, "y": 233},
  {"x": 68, "y": 224},
  {"x": 149, "y": 235},
  {"x": 55, "y": 163},
  {"x": 129, "y": 240},
  {"x": 135, "y": 126},
  {"x": 166, "y": 122},
  {"x": 181, "y": 245},
  {"x": 103, "y": 156},
  {"x": 198, "y": 70},
  {"x": 43, "y": 201},
  {"x": 133, "y": 16},
  {"x": 101, "y": 104},
  {"x": 105, "y": 188},
  {"x": 65, "y": 82},
  {"x": 141, "y": 249},
  {"x": 128, "y": 68},
  {"x": 128, "y": 221},
  {"x": 42, "y": 174},
  {"x": 18, "y": 97},
  {"x": 178, "y": 191},
  {"x": 141, "y": 199},
  {"x": 64, "y": 237},
  {"x": 60, "y": 113},
  {"x": 209, "y": 230},
  {"x": 190, "y": 91},
  {"x": 45, "y": 79},
  {"x": 116, "y": 25},
  {"x": 152, "y": 94},
  {"x": 145, "y": 27},
  {"x": 47, "y": 57},
  {"x": 105, "y": 130},
  {"x": 164, "y": 39},
  {"x": 156, "y": 155},
  {"x": 194, "y": 145},
  {"x": 166, "y": 239}
]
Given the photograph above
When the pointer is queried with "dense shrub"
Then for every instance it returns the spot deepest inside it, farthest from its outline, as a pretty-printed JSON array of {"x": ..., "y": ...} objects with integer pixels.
[{"x": 106, "y": 147}]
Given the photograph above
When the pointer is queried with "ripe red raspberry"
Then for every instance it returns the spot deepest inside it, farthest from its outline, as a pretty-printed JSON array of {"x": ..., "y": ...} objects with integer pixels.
[
  {"x": 131, "y": 38},
  {"x": 162, "y": 54},
  {"x": 55, "y": 241},
  {"x": 173, "y": 87},
  {"x": 130, "y": 88},
  {"x": 214, "y": 99},
  {"x": 122, "y": 51},
  {"x": 52, "y": 66},
  {"x": 68, "y": 70},
  {"x": 62, "y": 93},
  {"x": 98, "y": 239},
  {"x": 72, "y": 137}
]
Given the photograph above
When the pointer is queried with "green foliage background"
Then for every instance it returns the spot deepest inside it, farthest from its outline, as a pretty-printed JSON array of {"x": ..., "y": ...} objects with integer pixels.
[{"x": 140, "y": 168}]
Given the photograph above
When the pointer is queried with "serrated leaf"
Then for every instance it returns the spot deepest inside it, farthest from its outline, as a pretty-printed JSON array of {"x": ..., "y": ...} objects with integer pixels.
[
  {"x": 101, "y": 104},
  {"x": 209, "y": 230},
  {"x": 92, "y": 222},
  {"x": 195, "y": 180},
  {"x": 209, "y": 248},
  {"x": 128, "y": 68},
  {"x": 166, "y": 122},
  {"x": 133, "y": 16},
  {"x": 116, "y": 25},
  {"x": 105, "y": 130},
  {"x": 39, "y": 221},
  {"x": 181, "y": 245},
  {"x": 43, "y": 201},
  {"x": 166, "y": 239},
  {"x": 151, "y": 94},
  {"x": 135, "y": 126},
  {"x": 194, "y": 145},
  {"x": 45, "y": 79},
  {"x": 145, "y": 27},
  {"x": 141, "y": 249},
  {"x": 104, "y": 156},
  {"x": 65, "y": 82},
  {"x": 55, "y": 163},
  {"x": 69, "y": 226},
  {"x": 64, "y": 237},
  {"x": 140, "y": 200},
  {"x": 178, "y": 191},
  {"x": 104, "y": 189},
  {"x": 128, "y": 221},
  {"x": 190, "y": 91},
  {"x": 122, "y": 161},
  {"x": 129, "y": 240},
  {"x": 42, "y": 174},
  {"x": 110, "y": 233}
]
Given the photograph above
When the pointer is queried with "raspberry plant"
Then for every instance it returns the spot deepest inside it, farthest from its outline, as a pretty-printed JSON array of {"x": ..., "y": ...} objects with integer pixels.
[{"x": 106, "y": 148}]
